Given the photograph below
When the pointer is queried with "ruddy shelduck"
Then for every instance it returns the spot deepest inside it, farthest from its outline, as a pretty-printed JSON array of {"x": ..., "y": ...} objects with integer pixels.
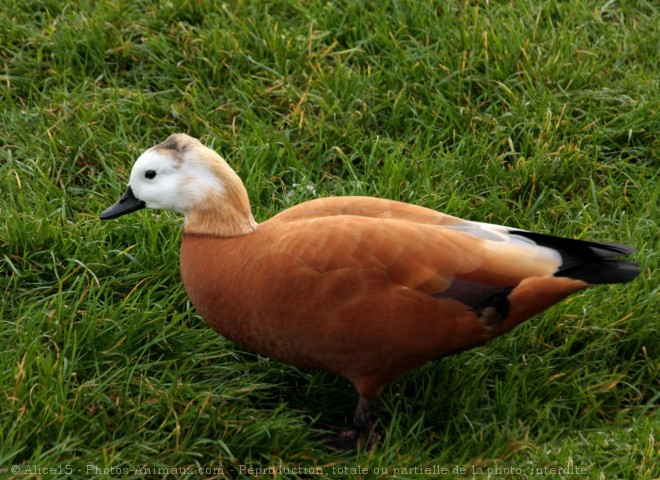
[{"x": 364, "y": 287}]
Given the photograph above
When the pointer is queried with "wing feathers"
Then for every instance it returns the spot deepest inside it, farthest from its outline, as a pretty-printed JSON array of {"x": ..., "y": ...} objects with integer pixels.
[
  {"x": 419, "y": 256},
  {"x": 466, "y": 261},
  {"x": 592, "y": 262}
]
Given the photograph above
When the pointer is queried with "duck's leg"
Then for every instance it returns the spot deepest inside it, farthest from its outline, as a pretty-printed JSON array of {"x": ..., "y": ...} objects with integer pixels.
[
  {"x": 366, "y": 421},
  {"x": 365, "y": 430}
]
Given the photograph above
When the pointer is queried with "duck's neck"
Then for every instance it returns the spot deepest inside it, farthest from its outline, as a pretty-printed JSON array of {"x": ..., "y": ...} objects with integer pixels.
[{"x": 226, "y": 215}]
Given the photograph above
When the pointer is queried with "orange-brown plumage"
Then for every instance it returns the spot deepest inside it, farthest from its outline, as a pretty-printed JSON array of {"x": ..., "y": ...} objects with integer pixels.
[
  {"x": 363, "y": 287},
  {"x": 346, "y": 294}
]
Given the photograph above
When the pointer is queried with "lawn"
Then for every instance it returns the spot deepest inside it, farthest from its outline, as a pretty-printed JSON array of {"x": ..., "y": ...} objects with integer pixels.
[{"x": 539, "y": 115}]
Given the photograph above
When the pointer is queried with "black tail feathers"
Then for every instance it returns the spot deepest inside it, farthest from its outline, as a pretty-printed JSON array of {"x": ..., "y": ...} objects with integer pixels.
[{"x": 592, "y": 262}]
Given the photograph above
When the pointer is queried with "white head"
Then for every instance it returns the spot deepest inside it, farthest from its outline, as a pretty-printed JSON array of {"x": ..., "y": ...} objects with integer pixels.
[
  {"x": 184, "y": 176},
  {"x": 164, "y": 178}
]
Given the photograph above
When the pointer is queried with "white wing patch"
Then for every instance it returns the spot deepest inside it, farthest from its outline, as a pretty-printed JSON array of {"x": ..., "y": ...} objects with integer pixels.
[{"x": 501, "y": 233}]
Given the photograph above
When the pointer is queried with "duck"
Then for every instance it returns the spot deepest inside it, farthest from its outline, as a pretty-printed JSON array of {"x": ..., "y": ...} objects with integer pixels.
[{"x": 364, "y": 287}]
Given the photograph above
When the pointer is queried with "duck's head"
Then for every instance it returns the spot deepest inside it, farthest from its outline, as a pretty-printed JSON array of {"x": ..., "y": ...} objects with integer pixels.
[{"x": 184, "y": 176}]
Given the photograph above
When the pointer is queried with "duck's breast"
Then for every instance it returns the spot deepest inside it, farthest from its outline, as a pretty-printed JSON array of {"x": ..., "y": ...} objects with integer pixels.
[{"x": 253, "y": 293}]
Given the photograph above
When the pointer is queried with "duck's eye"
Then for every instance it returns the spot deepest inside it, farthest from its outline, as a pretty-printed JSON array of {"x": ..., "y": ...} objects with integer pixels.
[{"x": 150, "y": 174}]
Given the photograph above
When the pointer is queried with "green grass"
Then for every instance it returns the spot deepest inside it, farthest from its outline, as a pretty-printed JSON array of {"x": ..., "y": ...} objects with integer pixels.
[{"x": 541, "y": 115}]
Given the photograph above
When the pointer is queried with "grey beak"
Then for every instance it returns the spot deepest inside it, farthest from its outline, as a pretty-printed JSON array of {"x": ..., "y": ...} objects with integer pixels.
[{"x": 127, "y": 203}]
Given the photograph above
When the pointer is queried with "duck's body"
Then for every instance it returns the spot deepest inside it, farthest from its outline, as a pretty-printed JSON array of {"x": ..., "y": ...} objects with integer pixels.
[
  {"x": 323, "y": 285},
  {"x": 363, "y": 287}
]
